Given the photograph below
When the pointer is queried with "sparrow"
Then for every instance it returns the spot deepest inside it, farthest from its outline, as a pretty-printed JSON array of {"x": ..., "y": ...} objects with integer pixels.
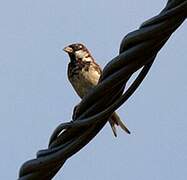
[{"x": 83, "y": 74}]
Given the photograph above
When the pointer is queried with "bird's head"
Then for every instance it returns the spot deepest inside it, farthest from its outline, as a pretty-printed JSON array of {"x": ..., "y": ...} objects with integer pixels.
[{"x": 78, "y": 53}]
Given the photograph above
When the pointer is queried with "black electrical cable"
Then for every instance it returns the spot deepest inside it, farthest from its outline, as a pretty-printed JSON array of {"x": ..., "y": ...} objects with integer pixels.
[{"x": 137, "y": 51}]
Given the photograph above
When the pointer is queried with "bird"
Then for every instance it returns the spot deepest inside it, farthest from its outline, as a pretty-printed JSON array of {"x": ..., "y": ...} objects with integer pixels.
[{"x": 84, "y": 73}]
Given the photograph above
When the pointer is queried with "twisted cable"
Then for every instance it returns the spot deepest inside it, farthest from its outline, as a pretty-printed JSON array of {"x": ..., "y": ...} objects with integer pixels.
[{"x": 138, "y": 51}]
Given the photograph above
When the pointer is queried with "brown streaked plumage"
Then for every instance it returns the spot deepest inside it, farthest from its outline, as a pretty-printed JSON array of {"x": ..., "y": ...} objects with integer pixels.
[{"x": 84, "y": 74}]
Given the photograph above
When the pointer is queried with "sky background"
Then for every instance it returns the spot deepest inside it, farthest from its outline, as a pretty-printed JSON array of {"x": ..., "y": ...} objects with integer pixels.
[{"x": 35, "y": 95}]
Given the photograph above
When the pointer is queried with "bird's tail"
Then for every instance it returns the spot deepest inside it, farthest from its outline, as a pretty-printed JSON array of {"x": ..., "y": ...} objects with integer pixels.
[{"x": 115, "y": 120}]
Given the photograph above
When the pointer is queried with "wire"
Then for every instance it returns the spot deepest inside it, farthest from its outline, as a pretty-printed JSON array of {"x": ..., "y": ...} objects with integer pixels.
[{"x": 138, "y": 50}]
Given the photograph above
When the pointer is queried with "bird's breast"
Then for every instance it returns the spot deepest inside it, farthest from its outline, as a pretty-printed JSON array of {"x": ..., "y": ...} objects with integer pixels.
[{"x": 84, "y": 80}]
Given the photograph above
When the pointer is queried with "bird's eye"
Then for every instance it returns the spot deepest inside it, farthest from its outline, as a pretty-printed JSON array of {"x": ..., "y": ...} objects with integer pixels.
[{"x": 80, "y": 46}]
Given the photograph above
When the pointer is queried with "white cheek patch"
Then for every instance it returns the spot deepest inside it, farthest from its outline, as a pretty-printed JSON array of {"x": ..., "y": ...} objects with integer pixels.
[
  {"x": 80, "y": 54},
  {"x": 83, "y": 55}
]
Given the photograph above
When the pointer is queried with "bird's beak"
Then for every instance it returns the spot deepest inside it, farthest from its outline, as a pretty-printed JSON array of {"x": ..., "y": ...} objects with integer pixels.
[{"x": 68, "y": 49}]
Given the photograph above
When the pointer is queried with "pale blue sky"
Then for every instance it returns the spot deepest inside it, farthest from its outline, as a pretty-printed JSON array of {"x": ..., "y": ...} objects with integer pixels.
[{"x": 36, "y": 96}]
